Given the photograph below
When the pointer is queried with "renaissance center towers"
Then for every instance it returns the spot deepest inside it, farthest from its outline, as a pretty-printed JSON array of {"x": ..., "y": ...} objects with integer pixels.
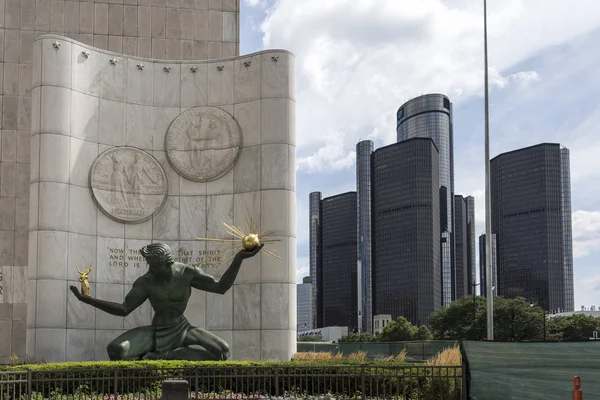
[{"x": 430, "y": 116}]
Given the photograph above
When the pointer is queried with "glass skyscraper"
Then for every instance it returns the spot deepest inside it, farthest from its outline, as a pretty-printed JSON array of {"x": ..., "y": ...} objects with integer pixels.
[
  {"x": 364, "y": 150},
  {"x": 531, "y": 209},
  {"x": 461, "y": 244},
  {"x": 338, "y": 272},
  {"x": 471, "y": 249},
  {"x": 482, "y": 270},
  {"x": 315, "y": 257},
  {"x": 565, "y": 171},
  {"x": 304, "y": 305},
  {"x": 430, "y": 116},
  {"x": 406, "y": 230}
]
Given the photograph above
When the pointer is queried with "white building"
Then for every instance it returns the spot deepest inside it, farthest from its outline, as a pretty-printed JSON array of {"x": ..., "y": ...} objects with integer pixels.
[{"x": 380, "y": 321}]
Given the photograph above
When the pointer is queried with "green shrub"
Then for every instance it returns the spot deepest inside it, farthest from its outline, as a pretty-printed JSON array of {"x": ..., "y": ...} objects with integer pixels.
[{"x": 338, "y": 377}]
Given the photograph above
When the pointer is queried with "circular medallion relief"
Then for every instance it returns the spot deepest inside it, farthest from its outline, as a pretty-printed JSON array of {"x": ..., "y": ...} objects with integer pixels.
[
  {"x": 203, "y": 143},
  {"x": 128, "y": 184}
]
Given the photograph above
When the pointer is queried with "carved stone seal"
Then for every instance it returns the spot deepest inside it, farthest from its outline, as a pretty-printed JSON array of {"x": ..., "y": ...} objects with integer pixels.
[
  {"x": 128, "y": 184},
  {"x": 203, "y": 143}
]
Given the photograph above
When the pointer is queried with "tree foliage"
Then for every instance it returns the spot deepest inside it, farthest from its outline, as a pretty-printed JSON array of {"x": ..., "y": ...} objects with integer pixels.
[
  {"x": 311, "y": 338},
  {"x": 398, "y": 330},
  {"x": 466, "y": 318},
  {"x": 514, "y": 320},
  {"x": 574, "y": 327},
  {"x": 401, "y": 330},
  {"x": 364, "y": 337}
]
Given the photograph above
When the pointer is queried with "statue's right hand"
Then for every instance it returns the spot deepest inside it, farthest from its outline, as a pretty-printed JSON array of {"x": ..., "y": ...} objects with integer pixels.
[{"x": 76, "y": 292}]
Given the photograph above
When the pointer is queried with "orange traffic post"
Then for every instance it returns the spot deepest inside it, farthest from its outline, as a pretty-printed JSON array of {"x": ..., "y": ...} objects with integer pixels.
[{"x": 577, "y": 393}]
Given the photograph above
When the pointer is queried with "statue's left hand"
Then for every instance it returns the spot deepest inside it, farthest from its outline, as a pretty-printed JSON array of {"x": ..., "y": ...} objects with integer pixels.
[
  {"x": 76, "y": 292},
  {"x": 247, "y": 254}
]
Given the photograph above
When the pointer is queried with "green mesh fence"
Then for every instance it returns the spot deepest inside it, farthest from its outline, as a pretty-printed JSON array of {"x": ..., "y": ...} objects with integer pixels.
[
  {"x": 315, "y": 347},
  {"x": 416, "y": 350},
  {"x": 533, "y": 371}
]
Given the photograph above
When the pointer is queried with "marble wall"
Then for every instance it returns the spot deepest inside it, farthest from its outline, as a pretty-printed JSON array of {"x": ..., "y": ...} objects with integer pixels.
[
  {"x": 13, "y": 312},
  {"x": 161, "y": 29},
  {"x": 86, "y": 100}
]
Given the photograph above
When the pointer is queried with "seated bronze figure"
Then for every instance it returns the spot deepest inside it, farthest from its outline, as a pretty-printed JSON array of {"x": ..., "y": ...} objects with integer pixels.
[{"x": 168, "y": 285}]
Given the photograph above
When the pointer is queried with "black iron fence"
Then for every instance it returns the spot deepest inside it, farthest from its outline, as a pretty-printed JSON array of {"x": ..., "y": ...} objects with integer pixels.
[{"x": 248, "y": 382}]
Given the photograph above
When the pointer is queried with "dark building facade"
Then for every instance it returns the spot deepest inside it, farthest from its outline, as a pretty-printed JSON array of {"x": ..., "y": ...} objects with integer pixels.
[
  {"x": 364, "y": 149},
  {"x": 565, "y": 170},
  {"x": 406, "y": 230},
  {"x": 430, "y": 116},
  {"x": 339, "y": 297},
  {"x": 482, "y": 266},
  {"x": 461, "y": 245},
  {"x": 315, "y": 258},
  {"x": 530, "y": 207},
  {"x": 471, "y": 249}
]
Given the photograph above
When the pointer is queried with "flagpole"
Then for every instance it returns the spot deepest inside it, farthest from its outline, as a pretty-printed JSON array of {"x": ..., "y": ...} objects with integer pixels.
[{"x": 488, "y": 201}]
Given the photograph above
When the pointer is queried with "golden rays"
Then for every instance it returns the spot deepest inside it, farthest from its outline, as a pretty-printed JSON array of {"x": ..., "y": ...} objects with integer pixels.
[{"x": 247, "y": 241}]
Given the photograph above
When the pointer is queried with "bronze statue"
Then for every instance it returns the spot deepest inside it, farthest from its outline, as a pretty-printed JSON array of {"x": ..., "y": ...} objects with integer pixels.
[{"x": 168, "y": 285}]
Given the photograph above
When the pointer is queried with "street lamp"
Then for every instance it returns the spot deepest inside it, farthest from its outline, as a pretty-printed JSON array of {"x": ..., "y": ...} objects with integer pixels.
[{"x": 488, "y": 201}]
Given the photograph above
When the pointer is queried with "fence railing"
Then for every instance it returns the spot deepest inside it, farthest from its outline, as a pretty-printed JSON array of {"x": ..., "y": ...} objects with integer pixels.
[{"x": 248, "y": 382}]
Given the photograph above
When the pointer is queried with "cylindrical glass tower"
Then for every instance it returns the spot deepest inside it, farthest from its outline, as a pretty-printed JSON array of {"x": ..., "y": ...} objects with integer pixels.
[
  {"x": 315, "y": 257},
  {"x": 364, "y": 149},
  {"x": 430, "y": 116}
]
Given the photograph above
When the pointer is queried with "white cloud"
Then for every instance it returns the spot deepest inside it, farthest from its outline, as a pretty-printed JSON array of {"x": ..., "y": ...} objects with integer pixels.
[
  {"x": 586, "y": 232},
  {"x": 524, "y": 78},
  {"x": 302, "y": 268},
  {"x": 333, "y": 156},
  {"x": 257, "y": 3},
  {"x": 357, "y": 61}
]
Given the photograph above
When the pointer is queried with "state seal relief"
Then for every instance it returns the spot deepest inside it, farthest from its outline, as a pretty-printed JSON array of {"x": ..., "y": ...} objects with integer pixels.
[
  {"x": 203, "y": 143},
  {"x": 128, "y": 184}
]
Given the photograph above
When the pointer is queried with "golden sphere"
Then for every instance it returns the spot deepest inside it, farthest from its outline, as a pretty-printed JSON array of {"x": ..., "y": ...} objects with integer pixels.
[{"x": 250, "y": 242}]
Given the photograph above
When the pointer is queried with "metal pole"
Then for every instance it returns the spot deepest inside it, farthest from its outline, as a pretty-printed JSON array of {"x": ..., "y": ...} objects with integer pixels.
[
  {"x": 544, "y": 311},
  {"x": 488, "y": 200}
]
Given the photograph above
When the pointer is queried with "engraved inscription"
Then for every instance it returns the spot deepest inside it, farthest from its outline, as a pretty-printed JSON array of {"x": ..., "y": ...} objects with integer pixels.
[
  {"x": 1, "y": 283},
  {"x": 128, "y": 184},
  {"x": 203, "y": 143},
  {"x": 129, "y": 258}
]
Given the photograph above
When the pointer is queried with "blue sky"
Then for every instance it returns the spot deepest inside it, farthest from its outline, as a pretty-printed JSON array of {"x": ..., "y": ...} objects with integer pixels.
[{"x": 359, "y": 60}]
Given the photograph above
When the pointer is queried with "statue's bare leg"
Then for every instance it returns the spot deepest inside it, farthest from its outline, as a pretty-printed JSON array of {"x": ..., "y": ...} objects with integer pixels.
[
  {"x": 132, "y": 345},
  {"x": 199, "y": 344}
]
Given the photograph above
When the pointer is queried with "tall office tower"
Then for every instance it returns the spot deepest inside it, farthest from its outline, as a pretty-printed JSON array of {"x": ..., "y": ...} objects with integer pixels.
[
  {"x": 471, "y": 249},
  {"x": 530, "y": 197},
  {"x": 304, "y": 305},
  {"x": 482, "y": 269},
  {"x": 565, "y": 181},
  {"x": 364, "y": 149},
  {"x": 315, "y": 257},
  {"x": 430, "y": 116},
  {"x": 406, "y": 230},
  {"x": 461, "y": 245},
  {"x": 338, "y": 267}
]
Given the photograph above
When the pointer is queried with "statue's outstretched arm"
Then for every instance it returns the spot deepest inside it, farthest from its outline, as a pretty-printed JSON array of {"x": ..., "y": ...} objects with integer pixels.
[
  {"x": 208, "y": 283},
  {"x": 135, "y": 298}
]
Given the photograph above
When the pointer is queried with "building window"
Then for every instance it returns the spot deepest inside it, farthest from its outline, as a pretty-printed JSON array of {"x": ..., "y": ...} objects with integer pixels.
[
  {"x": 400, "y": 113},
  {"x": 447, "y": 104}
]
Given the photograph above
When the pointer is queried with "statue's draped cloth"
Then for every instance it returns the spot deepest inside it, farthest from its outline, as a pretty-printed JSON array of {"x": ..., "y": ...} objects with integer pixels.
[{"x": 171, "y": 337}]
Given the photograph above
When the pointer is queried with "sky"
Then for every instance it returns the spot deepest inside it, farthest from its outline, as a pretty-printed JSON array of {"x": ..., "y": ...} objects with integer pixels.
[{"x": 358, "y": 61}]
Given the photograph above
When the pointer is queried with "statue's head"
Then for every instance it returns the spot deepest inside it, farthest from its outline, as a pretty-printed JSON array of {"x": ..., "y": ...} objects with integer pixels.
[{"x": 158, "y": 253}]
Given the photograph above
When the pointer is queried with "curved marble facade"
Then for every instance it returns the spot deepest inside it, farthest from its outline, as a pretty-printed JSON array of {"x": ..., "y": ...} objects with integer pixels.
[{"x": 85, "y": 101}]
